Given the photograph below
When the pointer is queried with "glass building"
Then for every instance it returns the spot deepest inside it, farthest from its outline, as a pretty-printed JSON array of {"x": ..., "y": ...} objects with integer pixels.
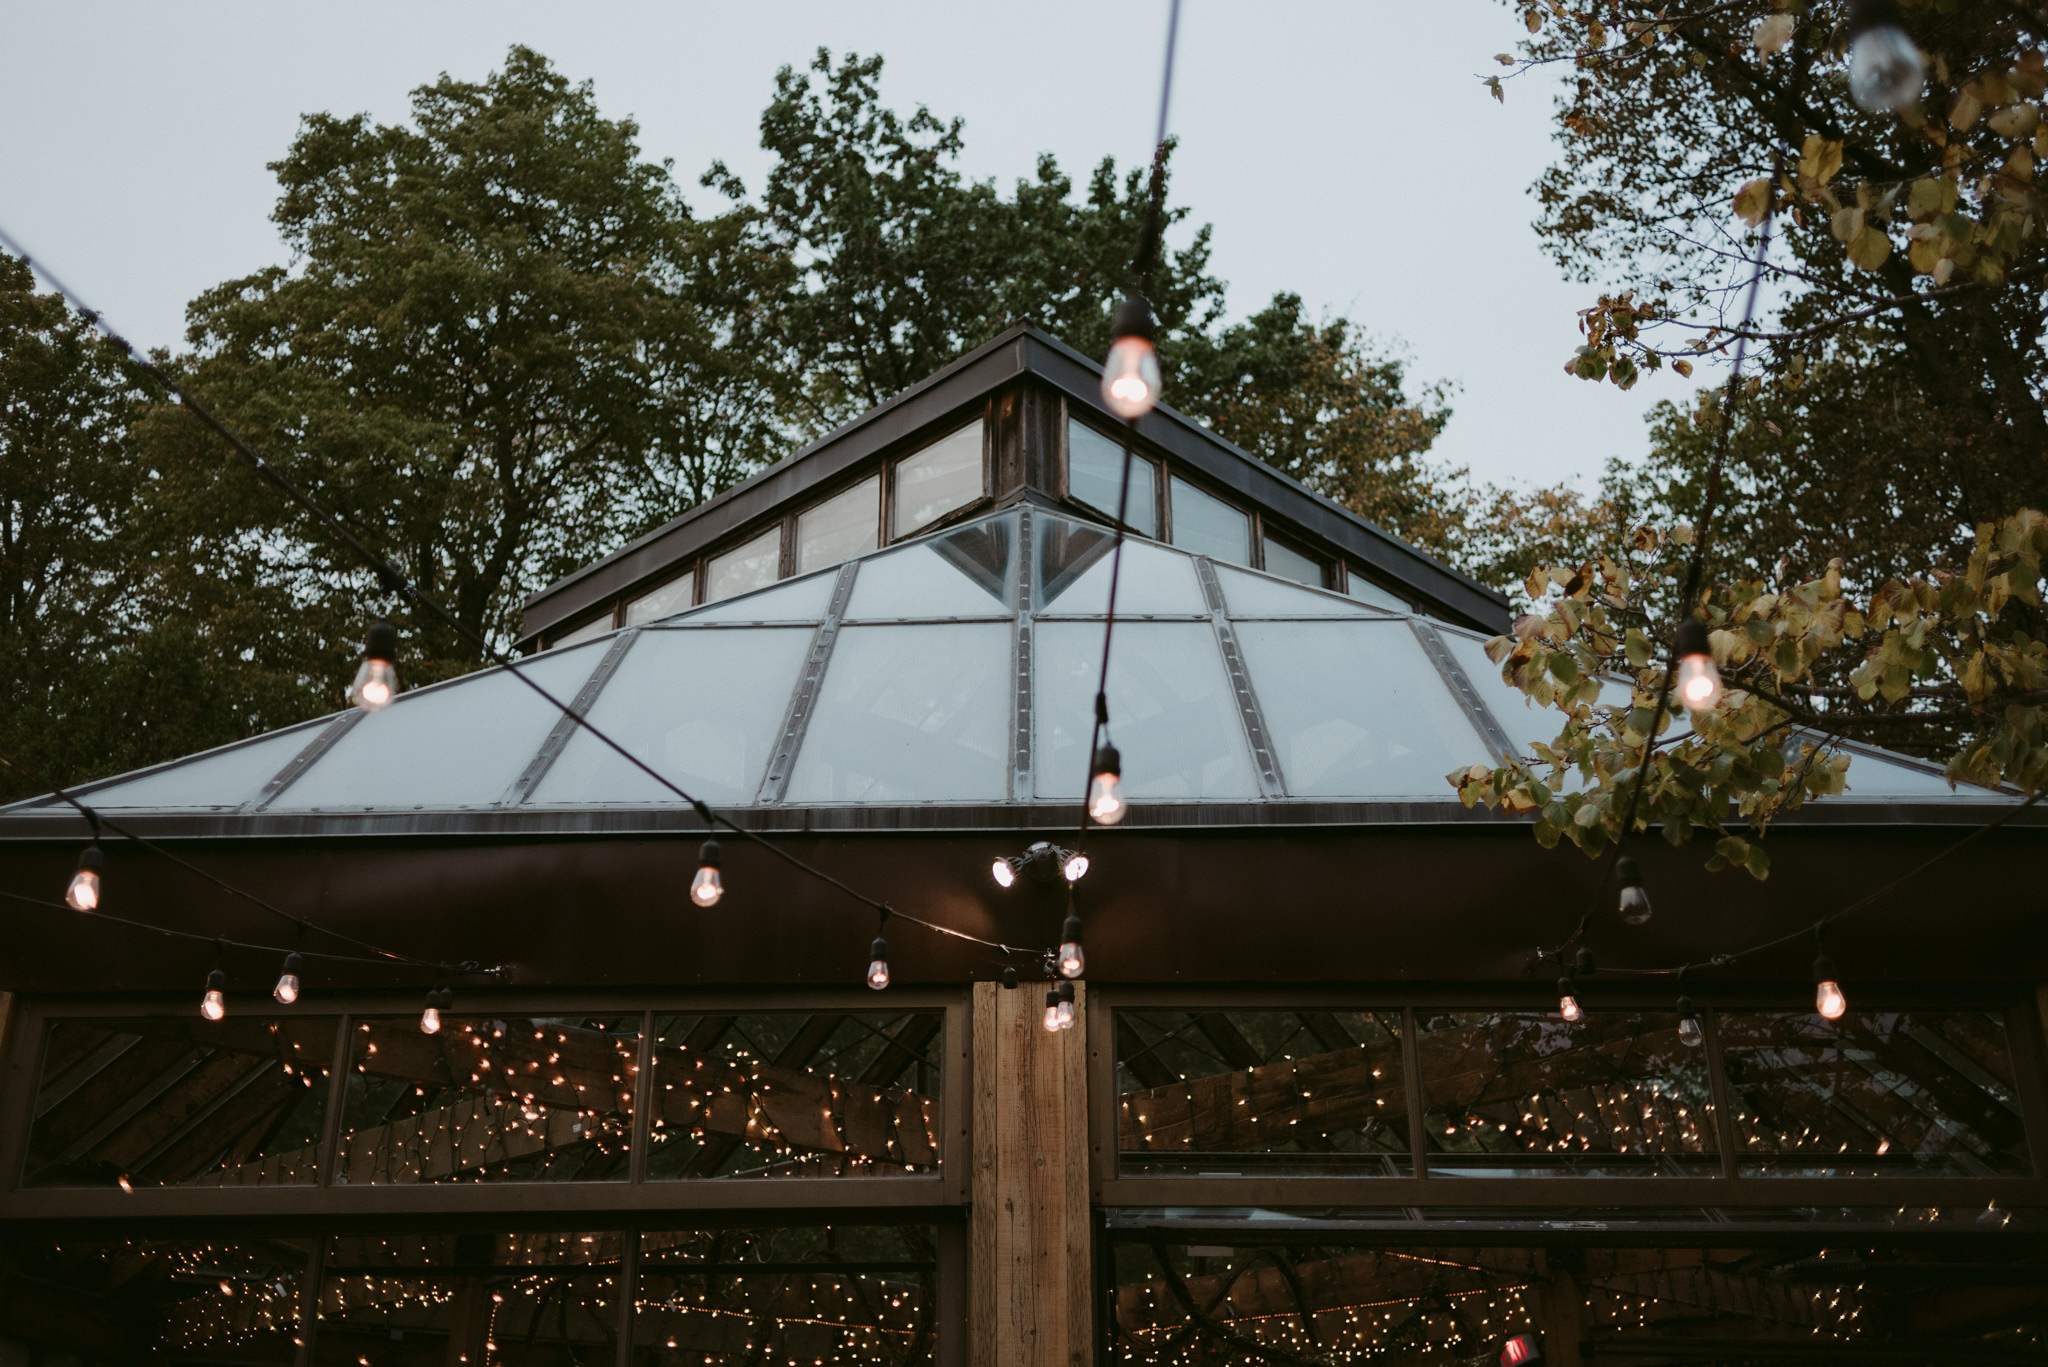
[{"x": 1317, "y": 1106}]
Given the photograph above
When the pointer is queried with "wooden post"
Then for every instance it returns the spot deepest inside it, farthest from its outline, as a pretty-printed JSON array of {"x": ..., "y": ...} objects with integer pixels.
[{"x": 1030, "y": 1243}]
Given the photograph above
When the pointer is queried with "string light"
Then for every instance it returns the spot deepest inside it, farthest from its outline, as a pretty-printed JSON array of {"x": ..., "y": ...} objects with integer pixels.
[
  {"x": 1689, "y": 1029},
  {"x": 1052, "y": 1011},
  {"x": 1699, "y": 680},
  {"x": 84, "y": 892},
  {"x": 707, "y": 887},
  {"x": 1004, "y": 872},
  {"x": 438, "y": 1000},
  {"x": 1063, "y": 993},
  {"x": 1885, "y": 68},
  {"x": 214, "y": 1005},
  {"x": 287, "y": 989},
  {"x": 878, "y": 964},
  {"x": 376, "y": 682},
  {"x": 1635, "y": 902},
  {"x": 1130, "y": 375},
  {"x": 1568, "y": 1002},
  {"x": 1105, "y": 790},
  {"x": 1827, "y": 995},
  {"x": 1071, "y": 960},
  {"x": 1075, "y": 868}
]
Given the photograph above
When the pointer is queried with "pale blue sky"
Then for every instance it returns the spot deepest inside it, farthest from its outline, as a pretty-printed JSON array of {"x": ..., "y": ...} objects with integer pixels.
[{"x": 1343, "y": 150}]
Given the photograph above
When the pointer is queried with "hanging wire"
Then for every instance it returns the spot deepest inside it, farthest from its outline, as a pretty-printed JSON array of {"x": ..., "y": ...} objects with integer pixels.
[{"x": 395, "y": 582}]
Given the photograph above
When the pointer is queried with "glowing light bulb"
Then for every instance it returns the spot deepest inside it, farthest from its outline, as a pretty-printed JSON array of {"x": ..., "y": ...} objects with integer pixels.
[
  {"x": 1105, "y": 791},
  {"x": 1689, "y": 1031},
  {"x": 376, "y": 682},
  {"x": 707, "y": 887},
  {"x": 1827, "y": 994},
  {"x": 1052, "y": 1013},
  {"x": 125, "y": 1185},
  {"x": 1699, "y": 681},
  {"x": 1568, "y": 1001},
  {"x": 1065, "y": 1015},
  {"x": 430, "y": 1020},
  {"x": 1071, "y": 959},
  {"x": 287, "y": 989},
  {"x": 878, "y": 964},
  {"x": 1885, "y": 69},
  {"x": 84, "y": 892},
  {"x": 1075, "y": 868},
  {"x": 214, "y": 1005},
  {"x": 1130, "y": 374},
  {"x": 1003, "y": 872}
]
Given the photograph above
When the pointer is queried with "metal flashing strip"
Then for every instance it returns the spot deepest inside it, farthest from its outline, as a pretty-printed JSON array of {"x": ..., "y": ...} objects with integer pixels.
[
  {"x": 567, "y": 726},
  {"x": 776, "y": 782},
  {"x": 1020, "y": 747},
  {"x": 1240, "y": 682},
  {"x": 1476, "y": 711},
  {"x": 329, "y": 735}
]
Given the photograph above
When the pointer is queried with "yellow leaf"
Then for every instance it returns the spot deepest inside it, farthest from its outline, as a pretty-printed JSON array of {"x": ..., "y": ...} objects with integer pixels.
[
  {"x": 2015, "y": 121},
  {"x": 1846, "y": 224},
  {"x": 1963, "y": 111},
  {"x": 1753, "y": 200},
  {"x": 1533, "y": 20},
  {"x": 1683, "y": 368},
  {"x": 1819, "y": 158},
  {"x": 1870, "y": 249},
  {"x": 1772, "y": 34}
]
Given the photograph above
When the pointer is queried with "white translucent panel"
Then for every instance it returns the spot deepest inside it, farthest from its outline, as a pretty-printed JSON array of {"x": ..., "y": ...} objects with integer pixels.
[
  {"x": 1095, "y": 471},
  {"x": 1365, "y": 591},
  {"x": 963, "y": 573},
  {"x": 1255, "y": 595},
  {"x": 1356, "y": 709},
  {"x": 226, "y": 777},
  {"x": 911, "y": 714},
  {"x": 589, "y": 631},
  {"x": 459, "y": 745},
  {"x": 840, "y": 528},
  {"x": 1518, "y": 714},
  {"x": 1288, "y": 563},
  {"x": 799, "y": 600},
  {"x": 944, "y": 476},
  {"x": 702, "y": 708},
  {"x": 1172, "y": 713},
  {"x": 1073, "y": 574},
  {"x": 671, "y": 598},
  {"x": 743, "y": 569},
  {"x": 1205, "y": 525}
]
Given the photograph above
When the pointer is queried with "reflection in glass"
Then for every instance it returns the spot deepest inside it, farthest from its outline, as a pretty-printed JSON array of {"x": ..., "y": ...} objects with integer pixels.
[
  {"x": 702, "y": 708},
  {"x": 490, "y": 1300},
  {"x": 829, "y": 1293},
  {"x": 1365, "y": 591},
  {"x": 504, "y": 1099},
  {"x": 1257, "y": 595},
  {"x": 671, "y": 598},
  {"x": 945, "y": 476},
  {"x": 181, "y": 1102},
  {"x": 1520, "y": 1093},
  {"x": 753, "y": 565},
  {"x": 962, "y": 573},
  {"x": 1073, "y": 574},
  {"x": 1095, "y": 472},
  {"x": 1260, "y": 1092},
  {"x": 1175, "y": 718},
  {"x": 589, "y": 631},
  {"x": 88, "y": 1302},
  {"x": 1355, "y": 709},
  {"x": 1286, "y": 562},
  {"x": 840, "y": 528},
  {"x": 796, "y": 1094},
  {"x": 1205, "y": 525},
  {"x": 798, "y": 600},
  {"x": 910, "y": 714},
  {"x": 1876, "y": 1092}
]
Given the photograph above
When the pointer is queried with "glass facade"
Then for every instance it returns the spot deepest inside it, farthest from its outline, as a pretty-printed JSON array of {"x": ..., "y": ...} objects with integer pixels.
[
  {"x": 1286, "y": 562},
  {"x": 943, "y": 478},
  {"x": 1095, "y": 472},
  {"x": 840, "y": 528},
  {"x": 753, "y": 565},
  {"x": 671, "y": 598},
  {"x": 1204, "y": 524}
]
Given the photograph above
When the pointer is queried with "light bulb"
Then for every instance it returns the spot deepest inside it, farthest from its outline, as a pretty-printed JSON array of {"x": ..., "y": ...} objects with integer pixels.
[
  {"x": 1130, "y": 377},
  {"x": 707, "y": 887},
  {"x": 430, "y": 1021},
  {"x": 1003, "y": 872},
  {"x": 1689, "y": 1031},
  {"x": 1635, "y": 902},
  {"x": 1052, "y": 1012},
  {"x": 1885, "y": 70},
  {"x": 1827, "y": 994},
  {"x": 214, "y": 1004},
  {"x": 376, "y": 681},
  {"x": 1065, "y": 1015},
  {"x": 84, "y": 892},
  {"x": 1568, "y": 1001},
  {"x": 1699, "y": 682},
  {"x": 1071, "y": 960},
  {"x": 878, "y": 964},
  {"x": 1105, "y": 790},
  {"x": 1075, "y": 868},
  {"x": 287, "y": 989}
]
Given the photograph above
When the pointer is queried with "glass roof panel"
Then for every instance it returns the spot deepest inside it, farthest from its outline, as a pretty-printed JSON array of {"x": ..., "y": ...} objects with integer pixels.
[
  {"x": 797, "y": 600},
  {"x": 1355, "y": 709},
  {"x": 221, "y": 778},
  {"x": 1518, "y": 714},
  {"x": 1873, "y": 776},
  {"x": 911, "y": 714},
  {"x": 1172, "y": 712},
  {"x": 964, "y": 573},
  {"x": 1257, "y": 595},
  {"x": 703, "y": 708},
  {"x": 1073, "y": 574},
  {"x": 459, "y": 745}
]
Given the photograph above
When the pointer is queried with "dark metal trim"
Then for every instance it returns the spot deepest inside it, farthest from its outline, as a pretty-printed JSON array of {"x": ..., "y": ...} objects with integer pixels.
[
  {"x": 567, "y": 726},
  {"x": 329, "y": 736},
  {"x": 1476, "y": 711},
  {"x": 1561, "y": 1189},
  {"x": 1021, "y": 779},
  {"x": 1255, "y": 734},
  {"x": 783, "y": 762}
]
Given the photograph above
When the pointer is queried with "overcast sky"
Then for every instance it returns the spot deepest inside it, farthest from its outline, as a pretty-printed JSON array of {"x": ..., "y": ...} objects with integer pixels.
[{"x": 1343, "y": 150}]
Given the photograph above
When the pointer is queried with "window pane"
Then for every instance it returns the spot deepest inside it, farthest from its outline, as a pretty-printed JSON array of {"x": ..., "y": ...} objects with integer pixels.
[
  {"x": 911, "y": 714},
  {"x": 963, "y": 573},
  {"x": 1095, "y": 471},
  {"x": 797, "y": 600},
  {"x": 1073, "y": 574},
  {"x": 711, "y": 738},
  {"x": 1875, "y": 1093},
  {"x": 1174, "y": 716},
  {"x": 797, "y": 1094},
  {"x": 1355, "y": 709},
  {"x": 828, "y": 1293},
  {"x": 181, "y": 1102},
  {"x": 95, "y": 1302},
  {"x": 671, "y": 598},
  {"x": 589, "y": 631},
  {"x": 1206, "y": 525},
  {"x": 511, "y": 1099},
  {"x": 1239, "y": 1093},
  {"x": 944, "y": 476},
  {"x": 1365, "y": 591},
  {"x": 1521, "y": 1094},
  {"x": 506, "y": 1300},
  {"x": 1256, "y": 595},
  {"x": 755, "y": 565},
  {"x": 1286, "y": 562},
  {"x": 840, "y": 528}
]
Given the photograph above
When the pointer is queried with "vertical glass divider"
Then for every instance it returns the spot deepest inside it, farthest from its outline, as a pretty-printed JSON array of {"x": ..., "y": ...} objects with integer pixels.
[
  {"x": 2023, "y": 1027},
  {"x": 629, "y": 1283},
  {"x": 642, "y": 1131},
  {"x": 1411, "y": 1072},
  {"x": 1717, "y": 1082},
  {"x": 309, "y": 1299},
  {"x": 337, "y": 1089}
]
